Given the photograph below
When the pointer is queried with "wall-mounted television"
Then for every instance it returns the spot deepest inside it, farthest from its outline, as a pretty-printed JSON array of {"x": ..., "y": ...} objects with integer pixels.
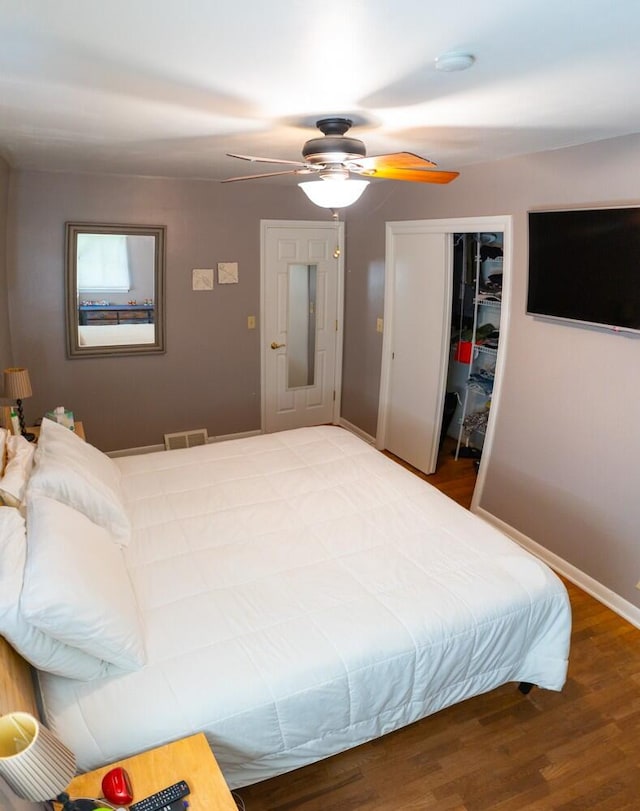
[{"x": 584, "y": 266}]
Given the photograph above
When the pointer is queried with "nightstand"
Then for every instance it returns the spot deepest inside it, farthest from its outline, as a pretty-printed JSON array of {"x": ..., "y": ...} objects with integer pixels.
[
  {"x": 78, "y": 430},
  {"x": 189, "y": 759}
]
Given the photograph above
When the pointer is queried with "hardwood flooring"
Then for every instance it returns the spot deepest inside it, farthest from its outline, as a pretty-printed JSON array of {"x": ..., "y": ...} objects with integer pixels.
[{"x": 571, "y": 751}]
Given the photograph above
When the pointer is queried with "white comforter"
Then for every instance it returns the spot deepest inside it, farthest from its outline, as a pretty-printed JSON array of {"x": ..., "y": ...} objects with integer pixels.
[
  {"x": 116, "y": 334},
  {"x": 303, "y": 594}
]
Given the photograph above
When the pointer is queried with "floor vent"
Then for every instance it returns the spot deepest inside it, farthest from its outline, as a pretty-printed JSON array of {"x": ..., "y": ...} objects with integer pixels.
[{"x": 185, "y": 439}]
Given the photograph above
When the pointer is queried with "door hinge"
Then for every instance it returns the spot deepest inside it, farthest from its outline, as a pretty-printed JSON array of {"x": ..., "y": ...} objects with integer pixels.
[
  {"x": 334, "y": 395},
  {"x": 336, "y": 324}
]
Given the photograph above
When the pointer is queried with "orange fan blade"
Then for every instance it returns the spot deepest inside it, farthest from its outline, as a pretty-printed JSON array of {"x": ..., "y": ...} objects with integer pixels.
[
  {"x": 413, "y": 175},
  {"x": 397, "y": 160}
]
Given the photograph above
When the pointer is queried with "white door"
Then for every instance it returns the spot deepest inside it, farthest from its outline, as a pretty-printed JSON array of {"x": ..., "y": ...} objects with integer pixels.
[
  {"x": 417, "y": 323},
  {"x": 301, "y": 278}
]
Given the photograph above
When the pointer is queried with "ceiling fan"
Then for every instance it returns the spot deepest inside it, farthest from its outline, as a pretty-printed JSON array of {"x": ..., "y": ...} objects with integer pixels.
[{"x": 335, "y": 156}]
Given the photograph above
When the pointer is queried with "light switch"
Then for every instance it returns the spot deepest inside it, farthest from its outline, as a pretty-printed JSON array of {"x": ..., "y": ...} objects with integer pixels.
[
  {"x": 379, "y": 324},
  {"x": 251, "y": 322}
]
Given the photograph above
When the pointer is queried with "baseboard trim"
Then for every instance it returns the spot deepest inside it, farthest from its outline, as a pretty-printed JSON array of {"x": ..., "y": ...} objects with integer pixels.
[
  {"x": 357, "y": 431},
  {"x": 597, "y": 590},
  {"x": 153, "y": 448},
  {"x": 135, "y": 451}
]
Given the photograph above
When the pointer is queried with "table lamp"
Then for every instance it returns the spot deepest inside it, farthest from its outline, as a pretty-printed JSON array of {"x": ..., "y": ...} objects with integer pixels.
[
  {"x": 17, "y": 386},
  {"x": 33, "y": 762}
]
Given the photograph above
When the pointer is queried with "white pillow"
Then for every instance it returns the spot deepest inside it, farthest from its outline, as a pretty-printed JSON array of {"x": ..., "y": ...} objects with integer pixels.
[
  {"x": 61, "y": 442},
  {"x": 42, "y": 651},
  {"x": 77, "y": 587},
  {"x": 17, "y": 470},
  {"x": 72, "y": 471}
]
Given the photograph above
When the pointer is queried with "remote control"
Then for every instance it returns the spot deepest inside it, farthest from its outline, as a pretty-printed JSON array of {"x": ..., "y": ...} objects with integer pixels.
[{"x": 163, "y": 799}]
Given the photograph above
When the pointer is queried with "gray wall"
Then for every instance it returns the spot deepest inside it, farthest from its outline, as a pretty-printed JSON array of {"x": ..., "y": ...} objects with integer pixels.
[
  {"x": 210, "y": 374},
  {"x": 566, "y": 447}
]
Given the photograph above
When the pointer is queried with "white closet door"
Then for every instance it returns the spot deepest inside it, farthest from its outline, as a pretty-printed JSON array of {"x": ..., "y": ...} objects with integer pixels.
[{"x": 417, "y": 327}]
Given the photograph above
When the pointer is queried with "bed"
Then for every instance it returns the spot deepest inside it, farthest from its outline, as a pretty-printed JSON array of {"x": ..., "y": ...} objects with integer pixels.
[
  {"x": 291, "y": 595},
  {"x": 116, "y": 334}
]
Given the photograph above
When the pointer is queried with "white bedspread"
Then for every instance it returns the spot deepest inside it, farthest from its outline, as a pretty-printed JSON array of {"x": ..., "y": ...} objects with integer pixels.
[
  {"x": 116, "y": 334},
  {"x": 302, "y": 594}
]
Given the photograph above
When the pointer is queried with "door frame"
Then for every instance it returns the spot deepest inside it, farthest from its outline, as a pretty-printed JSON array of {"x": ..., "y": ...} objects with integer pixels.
[
  {"x": 457, "y": 225},
  {"x": 337, "y": 228}
]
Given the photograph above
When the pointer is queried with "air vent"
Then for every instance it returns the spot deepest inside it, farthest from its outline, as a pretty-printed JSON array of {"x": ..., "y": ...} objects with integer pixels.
[{"x": 185, "y": 439}]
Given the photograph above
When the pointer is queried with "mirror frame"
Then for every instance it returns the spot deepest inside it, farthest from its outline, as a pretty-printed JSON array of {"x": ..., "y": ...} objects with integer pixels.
[{"x": 74, "y": 348}]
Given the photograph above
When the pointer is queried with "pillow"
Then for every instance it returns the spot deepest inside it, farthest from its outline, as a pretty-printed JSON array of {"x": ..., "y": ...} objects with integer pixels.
[
  {"x": 61, "y": 442},
  {"x": 17, "y": 470},
  {"x": 42, "y": 651},
  {"x": 72, "y": 471},
  {"x": 77, "y": 587}
]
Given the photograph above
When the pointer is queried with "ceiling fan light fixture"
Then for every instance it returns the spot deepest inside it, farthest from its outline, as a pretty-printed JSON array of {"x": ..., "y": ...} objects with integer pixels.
[
  {"x": 333, "y": 192},
  {"x": 450, "y": 62}
]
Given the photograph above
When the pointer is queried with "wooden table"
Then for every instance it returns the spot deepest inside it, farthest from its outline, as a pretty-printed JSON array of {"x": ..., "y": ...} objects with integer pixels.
[
  {"x": 189, "y": 759},
  {"x": 78, "y": 430}
]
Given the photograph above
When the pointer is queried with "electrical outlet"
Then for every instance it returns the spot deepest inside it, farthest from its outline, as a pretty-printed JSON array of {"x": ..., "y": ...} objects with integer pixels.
[
  {"x": 379, "y": 324},
  {"x": 251, "y": 322}
]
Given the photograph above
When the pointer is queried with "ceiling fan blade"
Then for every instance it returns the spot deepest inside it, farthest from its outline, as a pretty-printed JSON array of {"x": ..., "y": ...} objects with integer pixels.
[
  {"x": 253, "y": 159},
  {"x": 396, "y": 160},
  {"x": 303, "y": 171},
  {"x": 413, "y": 175}
]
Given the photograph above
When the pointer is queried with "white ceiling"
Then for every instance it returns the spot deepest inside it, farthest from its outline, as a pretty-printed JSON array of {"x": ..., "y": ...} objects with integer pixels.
[{"x": 168, "y": 87}]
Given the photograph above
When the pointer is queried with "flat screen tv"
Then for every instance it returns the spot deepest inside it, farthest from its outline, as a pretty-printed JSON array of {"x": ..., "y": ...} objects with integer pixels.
[{"x": 584, "y": 266}]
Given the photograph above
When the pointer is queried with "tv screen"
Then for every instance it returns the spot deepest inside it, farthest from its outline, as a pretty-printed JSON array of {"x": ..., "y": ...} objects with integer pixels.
[{"x": 584, "y": 265}]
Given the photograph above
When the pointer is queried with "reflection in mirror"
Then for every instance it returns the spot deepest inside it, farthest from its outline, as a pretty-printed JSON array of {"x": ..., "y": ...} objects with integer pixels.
[
  {"x": 301, "y": 329},
  {"x": 115, "y": 280}
]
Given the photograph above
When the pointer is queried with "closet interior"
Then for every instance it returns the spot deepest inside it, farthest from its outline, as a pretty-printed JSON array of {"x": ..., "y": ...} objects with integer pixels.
[{"x": 475, "y": 338}]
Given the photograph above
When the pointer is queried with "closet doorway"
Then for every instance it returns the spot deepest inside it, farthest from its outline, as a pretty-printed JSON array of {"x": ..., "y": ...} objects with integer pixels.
[{"x": 419, "y": 316}]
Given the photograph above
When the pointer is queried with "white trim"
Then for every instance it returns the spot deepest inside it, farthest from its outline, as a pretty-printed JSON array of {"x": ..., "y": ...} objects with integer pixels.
[
  {"x": 597, "y": 590},
  {"x": 153, "y": 448},
  {"x": 335, "y": 226},
  {"x": 357, "y": 431},
  {"x": 135, "y": 451}
]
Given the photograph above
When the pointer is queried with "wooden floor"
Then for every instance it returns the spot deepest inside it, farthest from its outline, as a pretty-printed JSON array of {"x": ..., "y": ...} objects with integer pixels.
[{"x": 571, "y": 751}]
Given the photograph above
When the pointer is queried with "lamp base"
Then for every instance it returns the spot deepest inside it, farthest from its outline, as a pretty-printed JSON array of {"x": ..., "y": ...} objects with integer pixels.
[{"x": 28, "y": 436}]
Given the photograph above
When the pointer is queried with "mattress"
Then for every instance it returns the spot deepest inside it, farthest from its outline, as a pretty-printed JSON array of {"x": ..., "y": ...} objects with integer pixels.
[
  {"x": 301, "y": 594},
  {"x": 116, "y": 334}
]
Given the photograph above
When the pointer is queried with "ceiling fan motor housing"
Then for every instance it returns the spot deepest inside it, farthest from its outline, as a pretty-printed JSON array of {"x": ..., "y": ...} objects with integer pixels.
[
  {"x": 334, "y": 146},
  {"x": 333, "y": 149}
]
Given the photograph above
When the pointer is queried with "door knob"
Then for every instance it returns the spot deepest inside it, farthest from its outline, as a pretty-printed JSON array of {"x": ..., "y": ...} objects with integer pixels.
[{"x": 275, "y": 345}]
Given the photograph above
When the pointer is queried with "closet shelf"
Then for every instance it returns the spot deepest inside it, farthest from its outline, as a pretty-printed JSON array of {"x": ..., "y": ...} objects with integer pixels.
[
  {"x": 488, "y": 303},
  {"x": 488, "y": 349}
]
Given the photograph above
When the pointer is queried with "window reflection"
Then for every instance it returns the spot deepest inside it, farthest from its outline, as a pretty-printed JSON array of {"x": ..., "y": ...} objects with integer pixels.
[
  {"x": 301, "y": 328},
  {"x": 114, "y": 286}
]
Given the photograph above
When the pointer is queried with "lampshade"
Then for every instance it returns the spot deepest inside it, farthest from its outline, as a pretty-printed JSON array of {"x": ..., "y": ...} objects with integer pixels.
[
  {"x": 35, "y": 764},
  {"x": 333, "y": 192},
  {"x": 17, "y": 385}
]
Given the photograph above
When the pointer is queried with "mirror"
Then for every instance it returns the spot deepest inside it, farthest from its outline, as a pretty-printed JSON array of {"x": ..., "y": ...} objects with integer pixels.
[
  {"x": 114, "y": 289},
  {"x": 301, "y": 327}
]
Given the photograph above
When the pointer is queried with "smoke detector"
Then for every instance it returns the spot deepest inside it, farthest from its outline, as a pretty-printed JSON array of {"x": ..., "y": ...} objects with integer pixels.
[{"x": 454, "y": 61}]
